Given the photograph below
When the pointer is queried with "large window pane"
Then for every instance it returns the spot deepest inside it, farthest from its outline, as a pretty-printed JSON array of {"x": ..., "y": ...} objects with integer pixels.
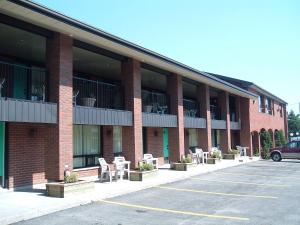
[
  {"x": 86, "y": 145},
  {"x": 91, "y": 140},
  {"x": 117, "y": 140},
  {"x": 193, "y": 138}
]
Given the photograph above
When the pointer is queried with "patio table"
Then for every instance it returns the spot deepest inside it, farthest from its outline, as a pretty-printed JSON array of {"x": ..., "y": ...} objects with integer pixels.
[{"x": 122, "y": 167}]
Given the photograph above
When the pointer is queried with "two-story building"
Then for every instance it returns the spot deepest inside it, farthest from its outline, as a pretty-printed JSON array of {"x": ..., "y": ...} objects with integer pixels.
[{"x": 71, "y": 93}]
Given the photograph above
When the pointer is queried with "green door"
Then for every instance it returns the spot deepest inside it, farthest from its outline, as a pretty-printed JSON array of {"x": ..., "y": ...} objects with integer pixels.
[
  {"x": 20, "y": 82},
  {"x": 2, "y": 146},
  {"x": 166, "y": 143}
]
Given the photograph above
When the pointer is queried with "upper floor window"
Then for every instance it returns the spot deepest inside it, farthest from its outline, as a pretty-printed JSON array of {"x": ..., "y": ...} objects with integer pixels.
[
  {"x": 260, "y": 104},
  {"x": 269, "y": 106}
]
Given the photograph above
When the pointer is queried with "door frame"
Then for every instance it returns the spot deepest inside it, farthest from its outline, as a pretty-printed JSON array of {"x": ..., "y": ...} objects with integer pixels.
[{"x": 166, "y": 132}]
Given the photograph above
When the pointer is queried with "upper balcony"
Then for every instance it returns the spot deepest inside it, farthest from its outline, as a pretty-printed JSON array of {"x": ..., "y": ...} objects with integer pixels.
[
  {"x": 192, "y": 114},
  {"x": 99, "y": 103},
  {"x": 23, "y": 95},
  {"x": 155, "y": 107}
]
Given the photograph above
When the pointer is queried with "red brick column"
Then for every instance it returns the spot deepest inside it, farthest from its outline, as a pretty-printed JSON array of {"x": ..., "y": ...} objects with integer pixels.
[
  {"x": 108, "y": 145},
  {"x": 59, "y": 60},
  {"x": 203, "y": 98},
  {"x": 176, "y": 135},
  {"x": 132, "y": 136},
  {"x": 225, "y": 135},
  {"x": 245, "y": 132}
]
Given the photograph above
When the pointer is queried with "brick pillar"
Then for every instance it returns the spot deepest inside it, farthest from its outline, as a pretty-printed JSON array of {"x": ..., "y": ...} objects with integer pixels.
[
  {"x": 176, "y": 135},
  {"x": 225, "y": 135},
  {"x": 59, "y": 63},
  {"x": 245, "y": 132},
  {"x": 132, "y": 136},
  {"x": 107, "y": 143},
  {"x": 204, "y": 135}
]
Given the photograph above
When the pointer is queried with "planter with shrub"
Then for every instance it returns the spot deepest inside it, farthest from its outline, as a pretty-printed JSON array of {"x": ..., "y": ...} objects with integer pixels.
[
  {"x": 232, "y": 154},
  {"x": 144, "y": 171},
  {"x": 71, "y": 185},
  {"x": 183, "y": 165},
  {"x": 214, "y": 157}
]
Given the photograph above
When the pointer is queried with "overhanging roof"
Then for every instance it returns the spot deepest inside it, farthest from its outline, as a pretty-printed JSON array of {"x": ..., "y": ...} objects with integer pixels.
[
  {"x": 42, "y": 16},
  {"x": 246, "y": 85}
]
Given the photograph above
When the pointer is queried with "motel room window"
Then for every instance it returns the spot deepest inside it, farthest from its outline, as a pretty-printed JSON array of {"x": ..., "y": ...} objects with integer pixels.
[
  {"x": 269, "y": 106},
  {"x": 260, "y": 103},
  {"x": 193, "y": 138},
  {"x": 117, "y": 140},
  {"x": 86, "y": 146}
]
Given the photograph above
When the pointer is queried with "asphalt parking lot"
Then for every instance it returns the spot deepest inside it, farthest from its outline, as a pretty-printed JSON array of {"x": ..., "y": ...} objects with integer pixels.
[{"x": 258, "y": 193}]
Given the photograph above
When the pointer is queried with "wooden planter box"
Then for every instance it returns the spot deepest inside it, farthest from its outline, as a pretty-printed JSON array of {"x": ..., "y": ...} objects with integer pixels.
[
  {"x": 141, "y": 175},
  {"x": 62, "y": 190},
  {"x": 182, "y": 166},
  {"x": 231, "y": 156},
  {"x": 212, "y": 160}
]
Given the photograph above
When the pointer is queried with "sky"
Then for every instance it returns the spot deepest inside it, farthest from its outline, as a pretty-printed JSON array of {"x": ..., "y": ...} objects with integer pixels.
[{"x": 254, "y": 40}]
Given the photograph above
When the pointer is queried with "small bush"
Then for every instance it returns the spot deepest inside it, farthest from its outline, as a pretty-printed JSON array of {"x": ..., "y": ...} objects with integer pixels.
[
  {"x": 266, "y": 144},
  {"x": 280, "y": 138},
  {"x": 234, "y": 151},
  {"x": 187, "y": 159},
  {"x": 256, "y": 152},
  {"x": 72, "y": 178},
  {"x": 215, "y": 155},
  {"x": 146, "y": 167}
]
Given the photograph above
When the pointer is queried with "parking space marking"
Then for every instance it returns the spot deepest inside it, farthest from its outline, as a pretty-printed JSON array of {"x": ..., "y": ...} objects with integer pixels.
[
  {"x": 258, "y": 175},
  {"x": 189, "y": 213},
  {"x": 241, "y": 182},
  {"x": 217, "y": 193}
]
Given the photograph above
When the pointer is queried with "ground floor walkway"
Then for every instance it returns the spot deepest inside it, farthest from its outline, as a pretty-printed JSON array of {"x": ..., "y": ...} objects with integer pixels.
[
  {"x": 25, "y": 204},
  {"x": 260, "y": 193}
]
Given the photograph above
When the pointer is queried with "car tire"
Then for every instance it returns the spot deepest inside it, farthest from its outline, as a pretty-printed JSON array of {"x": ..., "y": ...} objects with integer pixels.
[{"x": 276, "y": 157}]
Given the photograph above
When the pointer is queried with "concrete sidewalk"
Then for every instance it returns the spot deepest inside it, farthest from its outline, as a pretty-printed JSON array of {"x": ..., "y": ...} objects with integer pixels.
[{"x": 25, "y": 204}]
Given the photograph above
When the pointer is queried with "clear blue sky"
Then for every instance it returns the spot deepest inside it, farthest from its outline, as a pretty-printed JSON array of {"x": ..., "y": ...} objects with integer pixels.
[{"x": 255, "y": 40}]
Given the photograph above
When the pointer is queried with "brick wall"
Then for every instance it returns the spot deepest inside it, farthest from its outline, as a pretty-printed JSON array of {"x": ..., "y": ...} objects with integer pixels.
[
  {"x": 27, "y": 153},
  {"x": 155, "y": 143},
  {"x": 176, "y": 135},
  {"x": 204, "y": 134},
  {"x": 59, "y": 63},
  {"x": 132, "y": 136},
  {"x": 225, "y": 139}
]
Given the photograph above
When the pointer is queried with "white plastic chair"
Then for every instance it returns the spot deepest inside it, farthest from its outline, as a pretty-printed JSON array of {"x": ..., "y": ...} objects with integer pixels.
[
  {"x": 200, "y": 155},
  {"x": 148, "y": 158},
  {"x": 195, "y": 156},
  {"x": 242, "y": 150},
  {"x": 122, "y": 166},
  {"x": 106, "y": 171}
]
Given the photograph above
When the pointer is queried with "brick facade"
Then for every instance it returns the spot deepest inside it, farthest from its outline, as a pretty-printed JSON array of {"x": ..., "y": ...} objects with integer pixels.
[
  {"x": 176, "y": 135},
  {"x": 132, "y": 136},
  {"x": 225, "y": 138},
  {"x": 59, "y": 63},
  {"x": 28, "y": 151},
  {"x": 204, "y": 134},
  {"x": 155, "y": 143}
]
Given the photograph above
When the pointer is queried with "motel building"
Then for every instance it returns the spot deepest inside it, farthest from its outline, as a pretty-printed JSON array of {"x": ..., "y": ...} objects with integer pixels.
[{"x": 71, "y": 93}]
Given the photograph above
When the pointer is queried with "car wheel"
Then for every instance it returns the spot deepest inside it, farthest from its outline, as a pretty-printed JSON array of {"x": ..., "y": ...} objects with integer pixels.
[{"x": 276, "y": 157}]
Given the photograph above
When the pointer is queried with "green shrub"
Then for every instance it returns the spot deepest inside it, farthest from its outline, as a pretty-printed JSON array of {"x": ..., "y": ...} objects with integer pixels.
[
  {"x": 146, "y": 167},
  {"x": 72, "y": 178},
  {"x": 280, "y": 138},
  {"x": 266, "y": 144},
  {"x": 215, "y": 155},
  {"x": 233, "y": 151},
  {"x": 256, "y": 152},
  {"x": 186, "y": 159}
]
